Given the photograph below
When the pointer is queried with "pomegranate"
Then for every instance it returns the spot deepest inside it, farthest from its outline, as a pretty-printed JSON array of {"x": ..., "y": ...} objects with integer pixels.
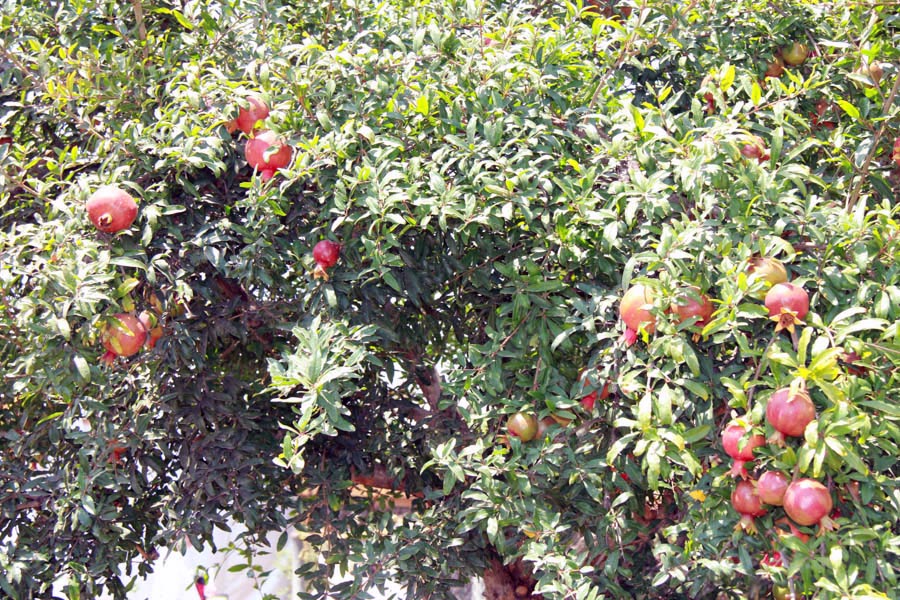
[
  {"x": 795, "y": 54},
  {"x": 808, "y": 502},
  {"x": 849, "y": 359},
  {"x": 739, "y": 444},
  {"x": 770, "y": 270},
  {"x": 326, "y": 254},
  {"x": 789, "y": 413},
  {"x": 872, "y": 71},
  {"x": 747, "y": 503},
  {"x": 788, "y": 303},
  {"x": 248, "y": 117},
  {"x": 267, "y": 153},
  {"x": 775, "y": 68},
  {"x": 755, "y": 147},
  {"x": 775, "y": 559},
  {"x": 692, "y": 304},
  {"x": 780, "y": 592},
  {"x": 635, "y": 311},
  {"x": 125, "y": 336},
  {"x": 522, "y": 426},
  {"x": 154, "y": 329},
  {"x": 111, "y": 209},
  {"x": 895, "y": 153},
  {"x": 590, "y": 399},
  {"x": 771, "y": 486}
]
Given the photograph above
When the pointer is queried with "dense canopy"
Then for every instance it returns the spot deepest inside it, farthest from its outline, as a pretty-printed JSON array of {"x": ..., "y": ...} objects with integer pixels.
[{"x": 494, "y": 181}]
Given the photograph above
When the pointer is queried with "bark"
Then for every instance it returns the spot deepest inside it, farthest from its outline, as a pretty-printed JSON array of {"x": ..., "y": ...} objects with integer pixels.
[{"x": 508, "y": 582}]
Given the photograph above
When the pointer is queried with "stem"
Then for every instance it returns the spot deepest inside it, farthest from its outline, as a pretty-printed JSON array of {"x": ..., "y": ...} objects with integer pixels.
[{"x": 141, "y": 27}]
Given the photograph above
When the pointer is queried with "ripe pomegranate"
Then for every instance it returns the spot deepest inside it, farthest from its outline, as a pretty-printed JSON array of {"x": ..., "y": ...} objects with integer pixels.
[
  {"x": 775, "y": 68},
  {"x": 635, "y": 311},
  {"x": 154, "y": 329},
  {"x": 111, "y": 209},
  {"x": 808, "y": 502},
  {"x": 266, "y": 153},
  {"x": 690, "y": 304},
  {"x": 775, "y": 559},
  {"x": 590, "y": 399},
  {"x": 849, "y": 360},
  {"x": 771, "y": 486},
  {"x": 755, "y": 148},
  {"x": 326, "y": 254},
  {"x": 747, "y": 503},
  {"x": 124, "y": 336},
  {"x": 789, "y": 414},
  {"x": 895, "y": 154},
  {"x": 248, "y": 117},
  {"x": 522, "y": 426},
  {"x": 739, "y": 444},
  {"x": 788, "y": 303},
  {"x": 795, "y": 54}
]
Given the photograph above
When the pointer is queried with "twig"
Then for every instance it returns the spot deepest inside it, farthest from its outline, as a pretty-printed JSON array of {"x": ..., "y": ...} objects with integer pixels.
[{"x": 141, "y": 27}]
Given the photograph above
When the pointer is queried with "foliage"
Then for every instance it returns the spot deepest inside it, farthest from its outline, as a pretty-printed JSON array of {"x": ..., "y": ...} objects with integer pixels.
[{"x": 497, "y": 174}]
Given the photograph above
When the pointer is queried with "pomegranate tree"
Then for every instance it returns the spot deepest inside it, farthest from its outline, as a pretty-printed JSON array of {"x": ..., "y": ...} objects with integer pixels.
[
  {"x": 771, "y": 486},
  {"x": 267, "y": 153},
  {"x": 635, "y": 310},
  {"x": 789, "y": 412},
  {"x": 808, "y": 502},
  {"x": 124, "y": 336},
  {"x": 739, "y": 443},
  {"x": 788, "y": 304},
  {"x": 111, "y": 209},
  {"x": 747, "y": 503}
]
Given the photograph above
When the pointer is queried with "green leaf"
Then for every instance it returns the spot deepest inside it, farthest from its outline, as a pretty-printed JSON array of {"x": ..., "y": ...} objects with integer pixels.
[{"x": 848, "y": 108}]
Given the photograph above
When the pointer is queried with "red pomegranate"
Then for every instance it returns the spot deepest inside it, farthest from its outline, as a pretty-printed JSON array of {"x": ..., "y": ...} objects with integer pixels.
[
  {"x": 267, "y": 153},
  {"x": 635, "y": 311},
  {"x": 692, "y": 303},
  {"x": 326, "y": 254},
  {"x": 771, "y": 486},
  {"x": 739, "y": 444},
  {"x": 789, "y": 414},
  {"x": 111, "y": 209},
  {"x": 124, "y": 336},
  {"x": 755, "y": 147},
  {"x": 788, "y": 304},
  {"x": 248, "y": 117},
  {"x": 154, "y": 329},
  {"x": 590, "y": 399},
  {"x": 808, "y": 502},
  {"x": 747, "y": 503},
  {"x": 895, "y": 153}
]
